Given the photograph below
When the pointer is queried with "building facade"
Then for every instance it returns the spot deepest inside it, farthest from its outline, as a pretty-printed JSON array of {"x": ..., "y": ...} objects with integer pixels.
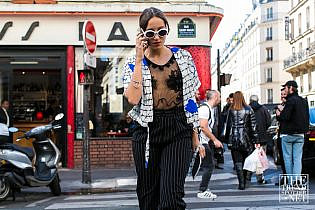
[
  {"x": 255, "y": 53},
  {"x": 41, "y": 50},
  {"x": 300, "y": 62}
]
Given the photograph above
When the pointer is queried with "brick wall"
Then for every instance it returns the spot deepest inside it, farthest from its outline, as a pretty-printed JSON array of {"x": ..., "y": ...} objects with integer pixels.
[{"x": 113, "y": 153}]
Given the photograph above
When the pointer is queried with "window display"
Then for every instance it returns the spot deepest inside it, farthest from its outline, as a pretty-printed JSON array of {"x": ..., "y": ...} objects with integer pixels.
[
  {"x": 36, "y": 95},
  {"x": 109, "y": 108}
]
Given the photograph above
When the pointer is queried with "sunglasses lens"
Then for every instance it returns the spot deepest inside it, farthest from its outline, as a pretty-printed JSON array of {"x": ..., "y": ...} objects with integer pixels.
[
  {"x": 162, "y": 32},
  {"x": 149, "y": 34}
]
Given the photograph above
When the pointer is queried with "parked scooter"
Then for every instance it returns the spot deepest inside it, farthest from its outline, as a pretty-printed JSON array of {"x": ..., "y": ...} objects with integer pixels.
[{"x": 16, "y": 168}]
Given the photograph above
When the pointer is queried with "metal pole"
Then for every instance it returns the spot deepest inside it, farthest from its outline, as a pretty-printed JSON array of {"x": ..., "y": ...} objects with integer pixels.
[
  {"x": 86, "y": 172},
  {"x": 218, "y": 75}
]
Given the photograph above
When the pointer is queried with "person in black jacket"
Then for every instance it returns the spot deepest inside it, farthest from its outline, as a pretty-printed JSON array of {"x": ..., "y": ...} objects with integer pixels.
[
  {"x": 5, "y": 122},
  {"x": 294, "y": 119},
  {"x": 241, "y": 136},
  {"x": 263, "y": 120},
  {"x": 279, "y": 143}
]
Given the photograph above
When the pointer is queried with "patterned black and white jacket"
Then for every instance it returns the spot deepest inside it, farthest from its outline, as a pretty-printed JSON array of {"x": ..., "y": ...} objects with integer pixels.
[{"x": 143, "y": 112}]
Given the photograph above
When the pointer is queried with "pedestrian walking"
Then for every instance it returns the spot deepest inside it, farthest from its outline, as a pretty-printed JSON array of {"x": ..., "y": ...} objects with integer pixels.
[
  {"x": 294, "y": 120},
  {"x": 161, "y": 83},
  {"x": 279, "y": 139},
  {"x": 241, "y": 135},
  {"x": 263, "y": 121},
  {"x": 223, "y": 118},
  {"x": 208, "y": 140},
  {"x": 5, "y": 122}
]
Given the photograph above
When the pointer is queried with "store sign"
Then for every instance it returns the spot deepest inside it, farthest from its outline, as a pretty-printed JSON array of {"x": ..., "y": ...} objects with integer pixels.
[
  {"x": 90, "y": 60},
  {"x": 28, "y": 34},
  {"x": 118, "y": 32},
  {"x": 186, "y": 28}
]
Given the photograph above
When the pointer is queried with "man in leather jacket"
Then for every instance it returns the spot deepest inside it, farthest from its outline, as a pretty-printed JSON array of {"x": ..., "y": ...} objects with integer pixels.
[{"x": 294, "y": 119}]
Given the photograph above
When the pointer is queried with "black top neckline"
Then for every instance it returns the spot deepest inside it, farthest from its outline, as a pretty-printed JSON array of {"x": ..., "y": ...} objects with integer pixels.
[{"x": 161, "y": 67}]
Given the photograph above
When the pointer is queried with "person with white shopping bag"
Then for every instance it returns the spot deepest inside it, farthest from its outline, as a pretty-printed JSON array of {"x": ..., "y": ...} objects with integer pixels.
[
  {"x": 241, "y": 136},
  {"x": 263, "y": 120},
  {"x": 257, "y": 161}
]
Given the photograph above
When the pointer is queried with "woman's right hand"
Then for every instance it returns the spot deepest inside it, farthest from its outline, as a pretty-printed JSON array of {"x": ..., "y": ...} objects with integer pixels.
[{"x": 141, "y": 46}]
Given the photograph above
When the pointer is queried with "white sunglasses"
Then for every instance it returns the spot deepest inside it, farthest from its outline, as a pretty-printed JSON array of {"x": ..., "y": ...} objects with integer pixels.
[{"x": 150, "y": 33}]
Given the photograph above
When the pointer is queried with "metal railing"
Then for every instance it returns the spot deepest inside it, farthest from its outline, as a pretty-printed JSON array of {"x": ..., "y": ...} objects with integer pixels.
[
  {"x": 271, "y": 17},
  {"x": 300, "y": 56}
]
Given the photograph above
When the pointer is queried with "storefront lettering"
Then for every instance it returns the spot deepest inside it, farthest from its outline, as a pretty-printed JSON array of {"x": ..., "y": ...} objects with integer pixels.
[
  {"x": 112, "y": 36},
  {"x": 121, "y": 36},
  {"x": 6, "y": 26},
  {"x": 30, "y": 31}
]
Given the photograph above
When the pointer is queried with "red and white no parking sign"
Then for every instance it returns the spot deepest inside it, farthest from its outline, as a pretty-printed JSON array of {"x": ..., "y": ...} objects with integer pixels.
[{"x": 89, "y": 36}]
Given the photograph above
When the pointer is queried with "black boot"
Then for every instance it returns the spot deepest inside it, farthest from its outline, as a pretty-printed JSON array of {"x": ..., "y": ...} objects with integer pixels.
[
  {"x": 248, "y": 178},
  {"x": 260, "y": 179},
  {"x": 240, "y": 175}
]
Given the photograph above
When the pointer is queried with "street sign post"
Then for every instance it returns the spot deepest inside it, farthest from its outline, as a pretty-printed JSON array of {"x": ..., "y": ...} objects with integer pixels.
[{"x": 86, "y": 78}]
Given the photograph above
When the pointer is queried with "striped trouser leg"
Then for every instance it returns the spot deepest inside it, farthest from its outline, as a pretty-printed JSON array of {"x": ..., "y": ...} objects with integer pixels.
[
  {"x": 161, "y": 185},
  {"x": 175, "y": 159},
  {"x": 148, "y": 182}
]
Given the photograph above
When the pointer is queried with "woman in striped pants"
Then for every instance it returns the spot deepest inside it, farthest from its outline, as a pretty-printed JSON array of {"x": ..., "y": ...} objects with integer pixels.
[{"x": 161, "y": 83}]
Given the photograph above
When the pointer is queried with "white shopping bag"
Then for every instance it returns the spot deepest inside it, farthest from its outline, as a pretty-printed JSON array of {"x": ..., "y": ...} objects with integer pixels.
[{"x": 252, "y": 161}]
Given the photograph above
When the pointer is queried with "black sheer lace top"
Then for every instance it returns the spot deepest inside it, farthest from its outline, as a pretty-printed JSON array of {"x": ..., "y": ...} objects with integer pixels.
[{"x": 167, "y": 84}]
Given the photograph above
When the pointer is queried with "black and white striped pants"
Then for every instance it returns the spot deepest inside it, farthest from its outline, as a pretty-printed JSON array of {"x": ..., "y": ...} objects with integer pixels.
[{"x": 161, "y": 185}]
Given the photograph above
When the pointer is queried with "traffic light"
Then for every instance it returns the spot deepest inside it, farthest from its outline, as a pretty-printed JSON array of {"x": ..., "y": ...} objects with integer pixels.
[
  {"x": 85, "y": 77},
  {"x": 225, "y": 79}
]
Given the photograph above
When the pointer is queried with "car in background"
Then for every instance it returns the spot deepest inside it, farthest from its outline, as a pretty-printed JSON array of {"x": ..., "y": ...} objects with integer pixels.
[
  {"x": 308, "y": 148},
  {"x": 272, "y": 134}
]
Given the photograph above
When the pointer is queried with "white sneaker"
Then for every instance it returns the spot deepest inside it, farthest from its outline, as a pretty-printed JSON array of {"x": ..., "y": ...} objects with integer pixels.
[{"x": 207, "y": 194}]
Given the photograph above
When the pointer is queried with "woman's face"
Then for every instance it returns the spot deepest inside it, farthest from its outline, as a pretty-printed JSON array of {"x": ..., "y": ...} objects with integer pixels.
[{"x": 156, "y": 24}]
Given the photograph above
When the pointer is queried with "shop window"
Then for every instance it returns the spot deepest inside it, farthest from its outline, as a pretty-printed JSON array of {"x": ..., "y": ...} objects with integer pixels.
[
  {"x": 36, "y": 95},
  {"x": 108, "y": 107}
]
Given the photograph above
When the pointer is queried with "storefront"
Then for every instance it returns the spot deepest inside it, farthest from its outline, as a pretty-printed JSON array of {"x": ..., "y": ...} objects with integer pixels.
[
  {"x": 40, "y": 53},
  {"x": 33, "y": 80}
]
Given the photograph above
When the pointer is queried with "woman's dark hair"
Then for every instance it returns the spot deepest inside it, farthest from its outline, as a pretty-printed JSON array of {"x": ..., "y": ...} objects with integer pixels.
[
  {"x": 238, "y": 101},
  {"x": 149, "y": 13}
]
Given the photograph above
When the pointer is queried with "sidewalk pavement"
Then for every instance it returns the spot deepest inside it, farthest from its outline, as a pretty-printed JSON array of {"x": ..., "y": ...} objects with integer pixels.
[{"x": 101, "y": 180}]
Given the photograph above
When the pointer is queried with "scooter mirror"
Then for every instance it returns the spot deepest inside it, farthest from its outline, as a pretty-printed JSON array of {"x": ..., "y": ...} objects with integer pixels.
[
  {"x": 13, "y": 129},
  {"x": 59, "y": 116}
]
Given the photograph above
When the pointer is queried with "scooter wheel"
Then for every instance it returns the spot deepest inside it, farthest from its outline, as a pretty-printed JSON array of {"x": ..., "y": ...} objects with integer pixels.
[
  {"x": 5, "y": 188},
  {"x": 55, "y": 186}
]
